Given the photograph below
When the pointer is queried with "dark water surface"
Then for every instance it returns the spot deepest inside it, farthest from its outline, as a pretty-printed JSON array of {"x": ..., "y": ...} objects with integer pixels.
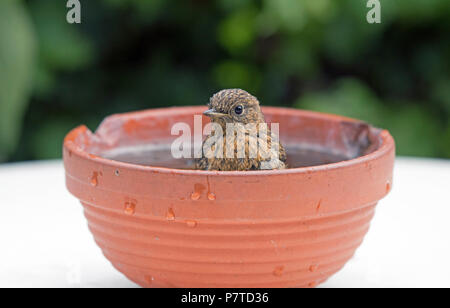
[{"x": 160, "y": 156}]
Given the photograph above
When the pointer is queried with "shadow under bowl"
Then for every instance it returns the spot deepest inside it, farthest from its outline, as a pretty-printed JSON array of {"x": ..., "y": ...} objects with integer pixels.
[{"x": 167, "y": 227}]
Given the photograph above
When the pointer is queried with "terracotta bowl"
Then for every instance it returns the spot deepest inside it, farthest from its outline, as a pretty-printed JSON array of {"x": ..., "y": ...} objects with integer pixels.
[{"x": 164, "y": 227}]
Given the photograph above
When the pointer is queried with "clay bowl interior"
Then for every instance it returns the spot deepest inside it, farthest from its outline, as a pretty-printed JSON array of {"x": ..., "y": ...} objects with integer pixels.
[{"x": 173, "y": 227}]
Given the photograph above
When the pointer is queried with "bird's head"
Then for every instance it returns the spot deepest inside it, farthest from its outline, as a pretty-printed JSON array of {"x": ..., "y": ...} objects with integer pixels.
[{"x": 234, "y": 106}]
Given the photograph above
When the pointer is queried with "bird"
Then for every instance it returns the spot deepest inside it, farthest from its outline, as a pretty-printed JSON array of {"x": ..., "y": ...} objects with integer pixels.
[{"x": 237, "y": 106}]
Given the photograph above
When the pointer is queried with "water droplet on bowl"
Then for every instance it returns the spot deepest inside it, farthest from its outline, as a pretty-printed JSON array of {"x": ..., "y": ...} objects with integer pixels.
[
  {"x": 312, "y": 284},
  {"x": 130, "y": 208},
  {"x": 94, "y": 182},
  {"x": 191, "y": 223},
  {"x": 211, "y": 196},
  {"x": 198, "y": 189},
  {"x": 170, "y": 214},
  {"x": 117, "y": 172},
  {"x": 94, "y": 179},
  {"x": 278, "y": 271},
  {"x": 195, "y": 196},
  {"x": 313, "y": 268},
  {"x": 149, "y": 279},
  {"x": 319, "y": 205},
  {"x": 388, "y": 186}
]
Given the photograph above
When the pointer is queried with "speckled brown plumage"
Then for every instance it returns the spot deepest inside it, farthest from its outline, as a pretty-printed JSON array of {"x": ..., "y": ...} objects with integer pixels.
[{"x": 222, "y": 111}]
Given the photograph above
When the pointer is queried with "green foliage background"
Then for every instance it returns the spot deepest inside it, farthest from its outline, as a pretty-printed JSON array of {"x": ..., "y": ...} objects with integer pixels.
[{"x": 136, "y": 54}]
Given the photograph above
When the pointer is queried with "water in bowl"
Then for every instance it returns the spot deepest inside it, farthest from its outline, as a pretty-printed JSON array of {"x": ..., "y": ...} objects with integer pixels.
[{"x": 160, "y": 156}]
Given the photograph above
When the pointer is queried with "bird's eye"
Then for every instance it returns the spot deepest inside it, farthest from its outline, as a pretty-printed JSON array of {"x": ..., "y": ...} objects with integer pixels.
[{"x": 239, "y": 109}]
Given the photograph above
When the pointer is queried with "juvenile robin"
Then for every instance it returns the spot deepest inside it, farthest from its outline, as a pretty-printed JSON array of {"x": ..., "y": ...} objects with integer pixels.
[{"x": 236, "y": 106}]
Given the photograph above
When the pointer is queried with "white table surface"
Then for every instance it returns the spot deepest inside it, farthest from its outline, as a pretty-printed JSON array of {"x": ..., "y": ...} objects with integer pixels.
[{"x": 45, "y": 241}]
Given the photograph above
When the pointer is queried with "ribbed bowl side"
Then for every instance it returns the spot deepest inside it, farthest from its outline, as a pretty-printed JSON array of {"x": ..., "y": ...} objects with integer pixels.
[
  {"x": 157, "y": 252},
  {"x": 164, "y": 227}
]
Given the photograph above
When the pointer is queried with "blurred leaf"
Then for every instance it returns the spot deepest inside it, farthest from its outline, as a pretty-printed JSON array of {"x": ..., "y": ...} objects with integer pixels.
[
  {"x": 231, "y": 5},
  {"x": 349, "y": 39},
  {"x": 232, "y": 74},
  {"x": 237, "y": 31},
  {"x": 419, "y": 11},
  {"x": 295, "y": 56},
  {"x": 414, "y": 130},
  {"x": 44, "y": 81},
  {"x": 147, "y": 10},
  {"x": 47, "y": 139},
  {"x": 17, "y": 48},
  {"x": 348, "y": 97},
  {"x": 62, "y": 46},
  {"x": 289, "y": 15},
  {"x": 446, "y": 145},
  {"x": 321, "y": 9},
  {"x": 441, "y": 93}
]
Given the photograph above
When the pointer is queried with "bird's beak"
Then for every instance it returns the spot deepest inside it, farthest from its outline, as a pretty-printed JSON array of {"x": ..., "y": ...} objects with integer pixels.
[{"x": 212, "y": 113}]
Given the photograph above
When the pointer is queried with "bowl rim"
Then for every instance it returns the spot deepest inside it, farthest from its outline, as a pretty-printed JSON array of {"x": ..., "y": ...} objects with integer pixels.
[{"x": 387, "y": 144}]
